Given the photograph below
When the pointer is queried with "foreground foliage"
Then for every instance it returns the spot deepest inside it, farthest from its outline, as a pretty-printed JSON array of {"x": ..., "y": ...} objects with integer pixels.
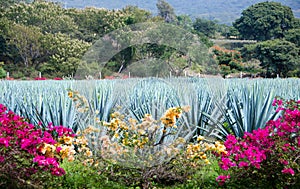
[
  {"x": 134, "y": 149},
  {"x": 266, "y": 158}
]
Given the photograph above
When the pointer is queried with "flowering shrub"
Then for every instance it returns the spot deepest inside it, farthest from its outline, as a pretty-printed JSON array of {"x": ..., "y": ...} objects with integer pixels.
[
  {"x": 140, "y": 153},
  {"x": 143, "y": 152},
  {"x": 267, "y": 157},
  {"x": 229, "y": 61},
  {"x": 146, "y": 140},
  {"x": 133, "y": 152},
  {"x": 26, "y": 150}
]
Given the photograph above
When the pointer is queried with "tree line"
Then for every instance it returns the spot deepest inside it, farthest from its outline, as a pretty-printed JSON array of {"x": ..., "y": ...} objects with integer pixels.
[{"x": 41, "y": 36}]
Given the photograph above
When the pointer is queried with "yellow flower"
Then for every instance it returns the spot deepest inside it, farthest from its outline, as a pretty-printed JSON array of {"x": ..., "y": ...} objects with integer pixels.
[
  {"x": 67, "y": 140},
  {"x": 199, "y": 138},
  {"x": 196, "y": 147},
  {"x": 145, "y": 140},
  {"x": 135, "y": 142},
  {"x": 115, "y": 114},
  {"x": 64, "y": 152},
  {"x": 206, "y": 161},
  {"x": 203, "y": 156},
  {"x": 116, "y": 135},
  {"x": 125, "y": 141},
  {"x": 124, "y": 126},
  {"x": 126, "y": 134},
  {"x": 88, "y": 153},
  {"x": 81, "y": 140},
  {"x": 48, "y": 149},
  {"x": 70, "y": 94}
]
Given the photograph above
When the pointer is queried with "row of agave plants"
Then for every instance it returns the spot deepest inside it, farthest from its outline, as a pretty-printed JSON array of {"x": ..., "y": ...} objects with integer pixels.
[
  {"x": 218, "y": 107},
  {"x": 139, "y": 153}
]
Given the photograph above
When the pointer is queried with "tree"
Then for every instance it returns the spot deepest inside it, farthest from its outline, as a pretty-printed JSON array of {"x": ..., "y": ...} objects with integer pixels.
[
  {"x": 166, "y": 11},
  {"x": 64, "y": 54},
  {"x": 227, "y": 31},
  {"x": 27, "y": 41},
  {"x": 4, "y": 46},
  {"x": 94, "y": 23},
  {"x": 207, "y": 27},
  {"x": 293, "y": 36},
  {"x": 4, "y": 4},
  {"x": 277, "y": 57},
  {"x": 136, "y": 15},
  {"x": 265, "y": 21},
  {"x": 185, "y": 22},
  {"x": 48, "y": 16},
  {"x": 296, "y": 23}
]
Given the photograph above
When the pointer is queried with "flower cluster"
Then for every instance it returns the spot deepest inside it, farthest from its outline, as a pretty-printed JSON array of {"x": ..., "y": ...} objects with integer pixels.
[
  {"x": 26, "y": 150},
  {"x": 272, "y": 152},
  {"x": 81, "y": 103},
  {"x": 65, "y": 143},
  {"x": 199, "y": 150},
  {"x": 132, "y": 134},
  {"x": 171, "y": 115},
  {"x": 131, "y": 141}
]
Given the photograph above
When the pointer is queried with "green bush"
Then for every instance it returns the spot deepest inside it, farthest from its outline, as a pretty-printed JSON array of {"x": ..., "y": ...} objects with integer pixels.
[
  {"x": 79, "y": 175},
  {"x": 2, "y": 73}
]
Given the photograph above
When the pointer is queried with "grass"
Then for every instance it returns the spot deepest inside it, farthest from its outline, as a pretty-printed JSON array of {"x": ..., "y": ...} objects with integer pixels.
[{"x": 79, "y": 176}]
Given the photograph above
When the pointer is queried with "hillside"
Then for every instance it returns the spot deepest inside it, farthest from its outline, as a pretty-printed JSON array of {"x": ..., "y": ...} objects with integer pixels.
[{"x": 225, "y": 11}]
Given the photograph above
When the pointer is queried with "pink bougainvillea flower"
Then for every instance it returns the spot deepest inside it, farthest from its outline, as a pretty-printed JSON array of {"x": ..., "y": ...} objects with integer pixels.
[
  {"x": 222, "y": 179},
  {"x": 4, "y": 142},
  {"x": 288, "y": 171},
  {"x": 19, "y": 137}
]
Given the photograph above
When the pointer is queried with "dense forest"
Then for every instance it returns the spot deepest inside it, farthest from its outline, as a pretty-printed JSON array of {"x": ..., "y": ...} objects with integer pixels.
[
  {"x": 224, "y": 11},
  {"x": 46, "y": 38}
]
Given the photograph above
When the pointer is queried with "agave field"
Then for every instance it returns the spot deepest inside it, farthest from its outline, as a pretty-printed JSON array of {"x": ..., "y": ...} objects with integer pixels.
[{"x": 218, "y": 109}]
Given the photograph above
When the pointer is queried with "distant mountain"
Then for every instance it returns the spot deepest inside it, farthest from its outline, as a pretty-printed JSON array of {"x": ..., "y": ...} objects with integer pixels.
[{"x": 224, "y": 11}]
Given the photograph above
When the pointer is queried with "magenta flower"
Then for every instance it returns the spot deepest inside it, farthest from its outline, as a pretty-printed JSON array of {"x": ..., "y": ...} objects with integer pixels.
[
  {"x": 243, "y": 164},
  {"x": 288, "y": 171},
  {"x": 226, "y": 163},
  {"x": 4, "y": 142},
  {"x": 222, "y": 179}
]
